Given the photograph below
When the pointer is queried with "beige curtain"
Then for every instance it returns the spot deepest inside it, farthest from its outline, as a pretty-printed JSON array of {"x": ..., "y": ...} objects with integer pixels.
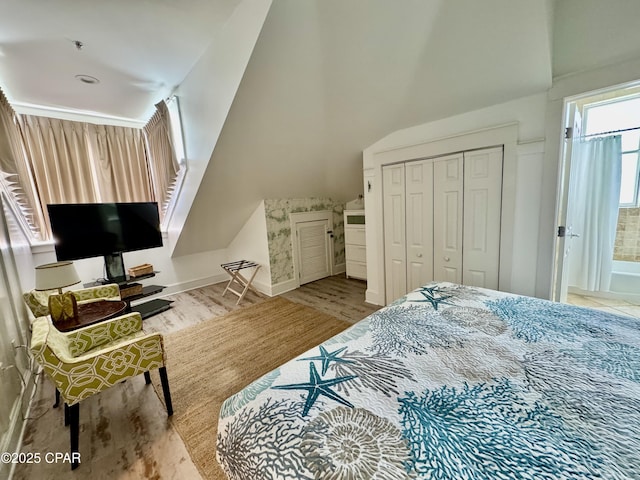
[
  {"x": 163, "y": 163},
  {"x": 61, "y": 161},
  {"x": 17, "y": 177},
  {"x": 76, "y": 162},
  {"x": 59, "y": 154},
  {"x": 120, "y": 154}
]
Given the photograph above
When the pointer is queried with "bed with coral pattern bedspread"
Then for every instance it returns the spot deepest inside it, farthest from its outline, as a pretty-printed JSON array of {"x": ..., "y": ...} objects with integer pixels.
[{"x": 449, "y": 382}]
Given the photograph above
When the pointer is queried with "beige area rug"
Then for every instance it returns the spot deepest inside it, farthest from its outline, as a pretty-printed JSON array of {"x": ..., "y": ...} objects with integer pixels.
[{"x": 211, "y": 361}]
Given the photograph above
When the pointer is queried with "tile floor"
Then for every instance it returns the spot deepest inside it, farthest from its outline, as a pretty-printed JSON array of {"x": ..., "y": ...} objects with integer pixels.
[{"x": 605, "y": 304}]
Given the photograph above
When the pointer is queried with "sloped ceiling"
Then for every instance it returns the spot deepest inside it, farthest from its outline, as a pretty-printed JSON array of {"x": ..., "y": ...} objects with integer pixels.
[{"x": 327, "y": 78}]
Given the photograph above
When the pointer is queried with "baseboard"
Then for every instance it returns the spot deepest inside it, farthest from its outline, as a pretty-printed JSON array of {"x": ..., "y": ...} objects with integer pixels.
[
  {"x": 191, "y": 284},
  {"x": 339, "y": 268},
  {"x": 373, "y": 298},
  {"x": 283, "y": 287}
]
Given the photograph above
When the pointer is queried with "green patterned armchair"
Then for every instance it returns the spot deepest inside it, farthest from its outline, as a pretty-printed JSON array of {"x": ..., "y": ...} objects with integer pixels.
[
  {"x": 38, "y": 301},
  {"x": 89, "y": 360}
]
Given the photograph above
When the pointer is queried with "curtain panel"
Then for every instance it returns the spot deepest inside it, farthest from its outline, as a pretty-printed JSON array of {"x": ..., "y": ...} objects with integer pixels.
[
  {"x": 594, "y": 187},
  {"x": 163, "y": 163},
  {"x": 120, "y": 154},
  {"x": 77, "y": 162},
  {"x": 17, "y": 176},
  {"x": 47, "y": 160}
]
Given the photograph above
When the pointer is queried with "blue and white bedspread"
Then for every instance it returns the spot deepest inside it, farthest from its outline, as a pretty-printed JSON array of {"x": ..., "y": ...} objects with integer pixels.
[{"x": 450, "y": 382}]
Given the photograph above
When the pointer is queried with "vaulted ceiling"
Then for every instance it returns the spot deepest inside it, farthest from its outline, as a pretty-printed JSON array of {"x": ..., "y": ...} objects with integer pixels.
[{"x": 326, "y": 78}]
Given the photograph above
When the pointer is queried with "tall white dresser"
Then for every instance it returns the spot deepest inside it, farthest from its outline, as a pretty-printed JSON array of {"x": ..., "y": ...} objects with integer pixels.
[{"x": 354, "y": 241}]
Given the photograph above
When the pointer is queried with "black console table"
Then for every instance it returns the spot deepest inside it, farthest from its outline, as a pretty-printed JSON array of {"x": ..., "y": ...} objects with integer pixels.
[{"x": 146, "y": 309}]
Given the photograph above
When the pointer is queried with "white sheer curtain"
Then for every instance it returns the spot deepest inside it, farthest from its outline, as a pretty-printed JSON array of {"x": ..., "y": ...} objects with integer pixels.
[{"x": 596, "y": 169}]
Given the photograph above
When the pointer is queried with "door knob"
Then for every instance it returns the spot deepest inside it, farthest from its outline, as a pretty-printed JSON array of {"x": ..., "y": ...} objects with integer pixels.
[
  {"x": 446, "y": 259},
  {"x": 419, "y": 255}
]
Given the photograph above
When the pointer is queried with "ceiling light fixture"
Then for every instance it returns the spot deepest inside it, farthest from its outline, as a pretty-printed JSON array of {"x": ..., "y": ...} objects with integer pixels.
[{"x": 88, "y": 79}]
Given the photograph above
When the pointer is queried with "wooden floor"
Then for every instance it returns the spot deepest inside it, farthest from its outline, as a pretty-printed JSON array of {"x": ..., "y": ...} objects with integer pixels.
[{"x": 124, "y": 431}]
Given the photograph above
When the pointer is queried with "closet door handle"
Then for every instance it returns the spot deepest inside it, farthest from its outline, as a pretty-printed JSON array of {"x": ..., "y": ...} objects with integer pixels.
[
  {"x": 419, "y": 255},
  {"x": 446, "y": 259}
]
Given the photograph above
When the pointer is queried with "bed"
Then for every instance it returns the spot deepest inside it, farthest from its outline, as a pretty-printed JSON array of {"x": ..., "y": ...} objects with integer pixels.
[{"x": 449, "y": 382}]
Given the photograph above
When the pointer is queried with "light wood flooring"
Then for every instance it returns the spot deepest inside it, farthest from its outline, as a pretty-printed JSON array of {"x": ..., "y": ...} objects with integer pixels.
[{"x": 124, "y": 431}]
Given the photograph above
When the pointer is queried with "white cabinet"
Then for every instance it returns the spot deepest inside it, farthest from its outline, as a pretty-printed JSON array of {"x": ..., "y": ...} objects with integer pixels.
[
  {"x": 354, "y": 242},
  {"x": 441, "y": 221}
]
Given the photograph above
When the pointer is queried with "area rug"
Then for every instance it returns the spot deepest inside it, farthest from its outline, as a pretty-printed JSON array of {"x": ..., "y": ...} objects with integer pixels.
[{"x": 211, "y": 361}]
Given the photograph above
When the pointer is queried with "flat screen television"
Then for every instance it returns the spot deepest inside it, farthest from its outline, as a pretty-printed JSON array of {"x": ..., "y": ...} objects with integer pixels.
[{"x": 85, "y": 230}]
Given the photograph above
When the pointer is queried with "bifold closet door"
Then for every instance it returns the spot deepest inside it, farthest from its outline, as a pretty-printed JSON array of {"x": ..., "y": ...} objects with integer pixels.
[
  {"x": 395, "y": 263},
  {"x": 482, "y": 212},
  {"x": 408, "y": 226},
  {"x": 442, "y": 221},
  {"x": 448, "y": 178},
  {"x": 419, "y": 226}
]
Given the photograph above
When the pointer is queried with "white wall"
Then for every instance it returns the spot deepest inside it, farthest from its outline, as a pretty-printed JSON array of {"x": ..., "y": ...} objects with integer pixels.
[
  {"x": 206, "y": 96},
  {"x": 176, "y": 273},
  {"x": 251, "y": 244},
  {"x": 15, "y": 260},
  {"x": 519, "y": 125}
]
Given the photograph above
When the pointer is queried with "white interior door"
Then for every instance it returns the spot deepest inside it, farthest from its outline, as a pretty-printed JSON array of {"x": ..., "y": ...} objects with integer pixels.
[
  {"x": 419, "y": 223},
  {"x": 447, "y": 218},
  {"x": 564, "y": 224},
  {"x": 313, "y": 250},
  {"x": 482, "y": 207},
  {"x": 393, "y": 180}
]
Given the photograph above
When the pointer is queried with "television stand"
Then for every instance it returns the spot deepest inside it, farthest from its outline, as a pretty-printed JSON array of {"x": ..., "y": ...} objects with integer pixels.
[
  {"x": 152, "y": 307},
  {"x": 146, "y": 309}
]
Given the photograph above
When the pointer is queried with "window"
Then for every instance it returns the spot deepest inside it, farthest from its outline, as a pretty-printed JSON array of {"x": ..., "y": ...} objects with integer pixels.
[
  {"x": 620, "y": 114},
  {"x": 176, "y": 128}
]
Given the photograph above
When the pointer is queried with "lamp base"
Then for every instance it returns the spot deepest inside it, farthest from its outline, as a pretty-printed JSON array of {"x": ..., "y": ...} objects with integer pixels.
[{"x": 63, "y": 307}]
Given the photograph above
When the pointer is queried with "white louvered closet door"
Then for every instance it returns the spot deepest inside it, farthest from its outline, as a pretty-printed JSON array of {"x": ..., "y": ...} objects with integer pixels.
[
  {"x": 448, "y": 187},
  {"x": 313, "y": 250}
]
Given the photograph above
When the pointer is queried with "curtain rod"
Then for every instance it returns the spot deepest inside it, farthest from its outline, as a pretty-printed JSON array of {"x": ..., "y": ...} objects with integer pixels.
[{"x": 610, "y": 132}]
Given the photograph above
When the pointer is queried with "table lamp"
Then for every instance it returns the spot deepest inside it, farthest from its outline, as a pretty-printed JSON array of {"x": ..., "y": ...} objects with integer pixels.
[{"x": 52, "y": 276}]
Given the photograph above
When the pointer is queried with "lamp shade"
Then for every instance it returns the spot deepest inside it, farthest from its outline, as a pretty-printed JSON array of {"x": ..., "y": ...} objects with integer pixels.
[{"x": 56, "y": 276}]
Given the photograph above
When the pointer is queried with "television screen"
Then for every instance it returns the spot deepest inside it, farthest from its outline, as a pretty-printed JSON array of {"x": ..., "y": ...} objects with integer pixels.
[{"x": 85, "y": 230}]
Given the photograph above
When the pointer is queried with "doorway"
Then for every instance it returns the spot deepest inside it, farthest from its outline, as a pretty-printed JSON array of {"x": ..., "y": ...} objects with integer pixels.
[
  {"x": 597, "y": 246},
  {"x": 312, "y": 239}
]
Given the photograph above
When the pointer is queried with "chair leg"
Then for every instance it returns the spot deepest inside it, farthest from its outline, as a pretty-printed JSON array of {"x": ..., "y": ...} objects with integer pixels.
[
  {"x": 165, "y": 389},
  {"x": 147, "y": 378},
  {"x": 57, "y": 404},
  {"x": 66, "y": 415},
  {"x": 74, "y": 432}
]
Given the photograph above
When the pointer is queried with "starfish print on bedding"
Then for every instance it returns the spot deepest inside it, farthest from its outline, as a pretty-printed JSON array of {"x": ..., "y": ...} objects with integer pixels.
[
  {"x": 316, "y": 387},
  {"x": 434, "y": 296},
  {"x": 328, "y": 357}
]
